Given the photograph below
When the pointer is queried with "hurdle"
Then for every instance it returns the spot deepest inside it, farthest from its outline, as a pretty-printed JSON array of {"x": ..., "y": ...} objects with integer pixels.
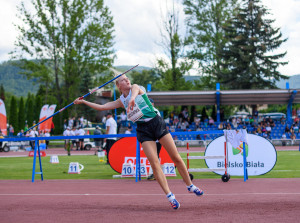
[{"x": 225, "y": 177}]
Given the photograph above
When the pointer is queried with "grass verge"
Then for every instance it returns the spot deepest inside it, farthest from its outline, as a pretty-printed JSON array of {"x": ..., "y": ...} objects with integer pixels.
[{"x": 17, "y": 168}]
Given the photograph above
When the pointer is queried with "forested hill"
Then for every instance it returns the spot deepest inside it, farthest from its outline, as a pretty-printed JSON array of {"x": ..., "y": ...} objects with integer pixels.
[
  {"x": 14, "y": 82},
  {"x": 18, "y": 85}
]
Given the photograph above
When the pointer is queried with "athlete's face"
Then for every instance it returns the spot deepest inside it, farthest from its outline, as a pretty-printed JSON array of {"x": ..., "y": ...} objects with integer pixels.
[{"x": 123, "y": 83}]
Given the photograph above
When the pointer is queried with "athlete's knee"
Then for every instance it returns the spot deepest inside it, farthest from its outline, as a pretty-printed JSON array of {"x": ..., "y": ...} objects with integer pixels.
[
  {"x": 155, "y": 164},
  {"x": 176, "y": 159}
]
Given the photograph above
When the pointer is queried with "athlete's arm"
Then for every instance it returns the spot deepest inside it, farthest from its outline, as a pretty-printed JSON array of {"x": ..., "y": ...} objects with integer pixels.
[
  {"x": 135, "y": 91},
  {"x": 108, "y": 106}
]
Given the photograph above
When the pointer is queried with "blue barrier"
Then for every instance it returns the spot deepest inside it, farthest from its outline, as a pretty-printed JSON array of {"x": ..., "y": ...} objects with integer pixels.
[
  {"x": 7, "y": 139},
  {"x": 138, "y": 171}
]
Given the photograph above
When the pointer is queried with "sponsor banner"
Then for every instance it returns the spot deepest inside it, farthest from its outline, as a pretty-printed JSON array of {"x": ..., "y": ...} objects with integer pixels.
[
  {"x": 3, "y": 118},
  {"x": 261, "y": 156},
  {"x": 31, "y": 153},
  {"x": 124, "y": 151},
  {"x": 43, "y": 116}
]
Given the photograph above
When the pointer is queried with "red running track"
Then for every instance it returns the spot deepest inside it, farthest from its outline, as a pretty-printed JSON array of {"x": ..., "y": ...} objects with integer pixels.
[{"x": 124, "y": 200}]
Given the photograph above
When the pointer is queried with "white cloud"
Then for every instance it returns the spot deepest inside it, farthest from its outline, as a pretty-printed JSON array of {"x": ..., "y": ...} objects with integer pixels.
[
  {"x": 287, "y": 17},
  {"x": 137, "y": 29}
]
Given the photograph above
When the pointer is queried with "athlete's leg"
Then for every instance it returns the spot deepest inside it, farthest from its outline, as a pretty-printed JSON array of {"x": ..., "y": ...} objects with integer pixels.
[
  {"x": 168, "y": 143},
  {"x": 150, "y": 151}
]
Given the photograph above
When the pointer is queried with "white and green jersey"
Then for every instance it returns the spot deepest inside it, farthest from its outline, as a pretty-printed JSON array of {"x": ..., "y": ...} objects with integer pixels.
[{"x": 143, "y": 110}]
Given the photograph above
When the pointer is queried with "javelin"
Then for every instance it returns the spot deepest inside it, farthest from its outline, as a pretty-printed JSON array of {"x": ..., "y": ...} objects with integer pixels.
[{"x": 91, "y": 92}]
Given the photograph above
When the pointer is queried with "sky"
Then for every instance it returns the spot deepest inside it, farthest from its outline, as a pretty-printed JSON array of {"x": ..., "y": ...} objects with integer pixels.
[{"x": 137, "y": 30}]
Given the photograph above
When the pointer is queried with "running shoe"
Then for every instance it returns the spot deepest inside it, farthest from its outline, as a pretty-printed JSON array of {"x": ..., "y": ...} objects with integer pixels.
[
  {"x": 151, "y": 177},
  {"x": 195, "y": 190},
  {"x": 175, "y": 204}
]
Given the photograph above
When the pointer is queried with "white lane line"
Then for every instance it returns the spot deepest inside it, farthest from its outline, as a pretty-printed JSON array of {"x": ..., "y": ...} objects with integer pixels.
[{"x": 227, "y": 194}]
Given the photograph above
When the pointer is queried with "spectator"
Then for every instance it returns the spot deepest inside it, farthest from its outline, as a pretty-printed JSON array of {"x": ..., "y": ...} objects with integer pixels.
[
  {"x": 104, "y": 119},
  {"x": 296, "y": 128},
  {"x": 20, "y": 133},
  {"x": 82, "y": 122},
  {"x": 296, "y": 119},
  {"x": 67, "y": 141},
  {"x": 283, "y": 139},
  {"x": 282, "y": 120},
  {"x": 184, "y": 125},
  {"x": 11, "y": 131},
  {"x": 287, "y": 129},
  {"x": 33, "y": 133},
  {"x": 81, "y": 132},
  {"x": 220, "y": 126},
  {"x": 251, "y": 120},
  {"x": 73, "y": 132},
  {"x": 197, "y": 121},
  {"x": 292, "y": 135},
  {"x": 185, "y": 113},
  {"x": 26, "y": 127},
  {"x": 70, "y": 123},
  {"x": 234, "y": 122},
  {"x": 111, "y": 128},
  {"x": 98, "y": 141},
  {"x": 228, "y": 127},
  {"x": 268, "y": 129},
  {"x": 272, "y": 123},
  {"x": 211, "y": 121},
  {"x": 75, "y": 123},
  {"x": 247, "y": 121},
  {"x": 128, "y": 130},
  {"x": 123, "y": 117},
  {"x": 294, "y": 113},
  {"x": 259, "y": 131},
  {"x": 205, "y": 121},
  {"x": 65, "y": 124},
  {"x": 47, "y": 134},
  {"x": 1, "y": 137}
]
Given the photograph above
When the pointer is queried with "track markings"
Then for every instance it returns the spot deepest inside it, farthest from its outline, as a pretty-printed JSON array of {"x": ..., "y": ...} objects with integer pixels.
[{"x": 226, "y": 194}]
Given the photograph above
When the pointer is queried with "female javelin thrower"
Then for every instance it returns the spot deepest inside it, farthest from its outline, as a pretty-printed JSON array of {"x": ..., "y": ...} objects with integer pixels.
[{"x": 150, "y": 127}]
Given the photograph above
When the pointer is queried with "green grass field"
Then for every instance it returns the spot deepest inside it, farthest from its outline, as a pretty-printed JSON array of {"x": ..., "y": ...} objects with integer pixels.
[{"x": 287, "y": 166}]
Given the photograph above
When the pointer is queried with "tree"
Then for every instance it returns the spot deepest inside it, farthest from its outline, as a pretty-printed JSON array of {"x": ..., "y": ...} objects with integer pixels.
[
  {"x": 29, "y": 110},
  {"x": 204, "y": 114},
  {"x": 37, "y": 108},
  {"x": 64, "y": 39},
  {"x": 214, "y": 113},
  {"x": 2, "y": 93},
  {"x": 13, "y": 114},
  {"x": 148, "y": 77},
  {"x": 21, "y": 116},
  {"x": 247, "y": 59},
  {"x": 171, "y": 71},
  {"x": 204, "y": 19}
]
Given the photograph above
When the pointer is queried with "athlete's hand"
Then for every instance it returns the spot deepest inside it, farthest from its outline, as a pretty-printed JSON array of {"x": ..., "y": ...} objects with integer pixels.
[
  {"x": 130, "y": 105},
  {"x": 78, "y": 101}
]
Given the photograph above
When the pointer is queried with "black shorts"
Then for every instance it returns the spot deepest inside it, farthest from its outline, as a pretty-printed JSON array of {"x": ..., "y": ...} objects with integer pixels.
[{"x": 152, "y": 130}]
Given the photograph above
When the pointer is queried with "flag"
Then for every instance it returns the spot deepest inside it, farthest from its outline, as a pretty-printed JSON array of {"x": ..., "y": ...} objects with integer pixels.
[
  {"x": 50, "y": 112},
  {"x": 3, "y": 119},
  {"x": 235, "y": 137},
  {"x": 43, "y": 116}
]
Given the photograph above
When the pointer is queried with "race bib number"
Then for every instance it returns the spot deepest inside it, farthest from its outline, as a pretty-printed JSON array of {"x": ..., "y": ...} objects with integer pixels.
[{"x": 135, "y": 114}]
